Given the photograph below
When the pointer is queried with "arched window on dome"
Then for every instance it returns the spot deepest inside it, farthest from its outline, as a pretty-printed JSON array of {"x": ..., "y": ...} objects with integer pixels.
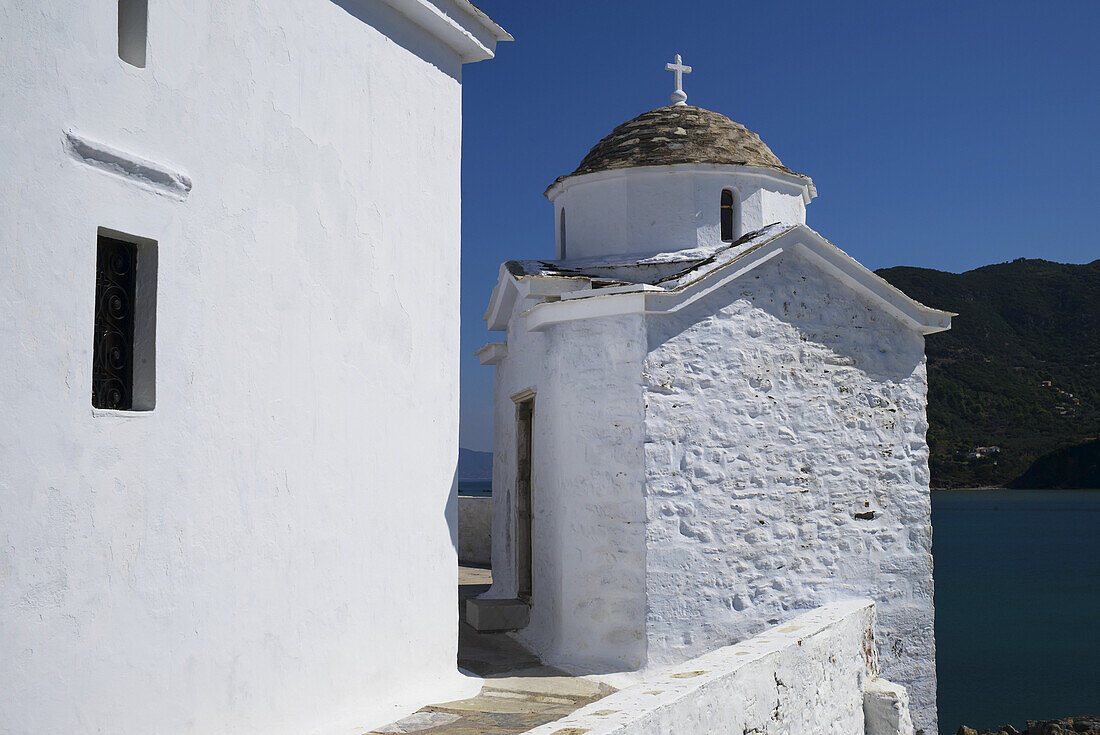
[
  {"x": 728, "y": 210},
  {"x": 561, "y": 234}
]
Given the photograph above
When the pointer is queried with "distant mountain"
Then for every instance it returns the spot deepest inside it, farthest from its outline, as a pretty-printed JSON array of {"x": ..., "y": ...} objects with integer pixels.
[
  {"x": 473, "y": 465},
  {"x": 1018, "y": 375},
  {"x": 1071, "y": 467}
]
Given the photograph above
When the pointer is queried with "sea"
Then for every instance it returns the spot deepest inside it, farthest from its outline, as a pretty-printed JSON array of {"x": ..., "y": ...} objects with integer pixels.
[
  {"x": 1017, "y": 577},
  {"x": 475, "y": 488}
]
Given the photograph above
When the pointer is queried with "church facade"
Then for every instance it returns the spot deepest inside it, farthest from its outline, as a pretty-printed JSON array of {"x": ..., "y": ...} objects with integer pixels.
[
  {"x": 708, "y": 417},
  {"x": 232, "y": 362}
]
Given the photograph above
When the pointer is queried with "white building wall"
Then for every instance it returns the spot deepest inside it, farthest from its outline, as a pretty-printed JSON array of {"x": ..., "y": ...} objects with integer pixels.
[
  {"x": 270, "y": 550},
  {"x": 588, "y": 602},
  {"x": 664, "y": 208},
  {"x": 521, "y": 370},
  {"x": 778, "y": 409},
  {"x": 588, "y": 497}
]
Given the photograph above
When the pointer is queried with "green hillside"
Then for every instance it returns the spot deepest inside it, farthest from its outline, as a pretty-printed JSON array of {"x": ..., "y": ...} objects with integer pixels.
[
  {"x": 1072, "y": 467},
  {"x": 1020, "y": 326}
]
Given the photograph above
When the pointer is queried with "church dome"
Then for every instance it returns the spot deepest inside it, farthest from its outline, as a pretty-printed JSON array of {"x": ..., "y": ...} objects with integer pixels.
[{"x": 678, "y": 134}]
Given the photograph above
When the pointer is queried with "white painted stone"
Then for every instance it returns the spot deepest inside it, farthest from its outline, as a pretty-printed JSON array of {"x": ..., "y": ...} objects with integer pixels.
[
  {"x": 807, "y": 676},
  {"x": 238, "y": 559},
  {"x": 776, "y": 411},
  {"x": 886, "y": 709},
  {"x": 588, "y": 554},
  {"x": 475, "y": 526}
]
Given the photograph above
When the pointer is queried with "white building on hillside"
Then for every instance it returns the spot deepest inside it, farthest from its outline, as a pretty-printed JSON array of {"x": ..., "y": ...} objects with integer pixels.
[
  {"x": 229, "y": 423},
  {"x": 708, "y": 418}
]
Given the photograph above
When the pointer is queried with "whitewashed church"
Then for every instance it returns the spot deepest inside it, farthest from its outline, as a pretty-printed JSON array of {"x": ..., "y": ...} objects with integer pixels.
[
  {"x": 231, "y": 354},
  {"x": 708, "y": 417}
]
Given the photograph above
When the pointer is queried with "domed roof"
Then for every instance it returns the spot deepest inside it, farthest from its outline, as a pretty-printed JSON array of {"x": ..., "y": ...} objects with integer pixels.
[{"x": 678, "y": 134}]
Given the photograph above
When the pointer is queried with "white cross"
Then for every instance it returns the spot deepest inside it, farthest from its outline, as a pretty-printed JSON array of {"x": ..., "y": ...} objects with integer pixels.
[{"x": 678, "y": 96}]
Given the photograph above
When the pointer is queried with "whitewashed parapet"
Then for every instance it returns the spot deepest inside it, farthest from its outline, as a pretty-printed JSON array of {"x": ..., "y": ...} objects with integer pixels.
[
  {"x": 886, "y": 708},
  {"x": 806, "y": 676},
  {"x": 475, "y": 520}
]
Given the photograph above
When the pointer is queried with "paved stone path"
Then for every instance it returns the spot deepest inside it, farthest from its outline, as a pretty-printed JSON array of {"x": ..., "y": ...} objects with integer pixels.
[{"x": 519, "y": 692}]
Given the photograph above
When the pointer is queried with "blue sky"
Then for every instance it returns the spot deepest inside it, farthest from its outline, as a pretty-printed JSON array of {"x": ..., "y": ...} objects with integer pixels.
[{"x": 943, "y": 135}]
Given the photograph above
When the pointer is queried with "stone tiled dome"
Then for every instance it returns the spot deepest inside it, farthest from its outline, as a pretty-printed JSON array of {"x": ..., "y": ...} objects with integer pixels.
[{"x": 678, "y": 134}]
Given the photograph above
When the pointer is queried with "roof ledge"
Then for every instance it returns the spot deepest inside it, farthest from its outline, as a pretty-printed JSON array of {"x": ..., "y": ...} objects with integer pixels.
[
  {"x": 493, "y": 353},
  {"x": 798, "y": 181},
  {"x": 458, "y": 23},
  {"x": 695, "y": 284}
]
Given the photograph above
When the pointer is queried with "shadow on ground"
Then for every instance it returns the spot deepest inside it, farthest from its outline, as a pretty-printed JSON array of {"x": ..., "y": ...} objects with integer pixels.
[{"x": 519, "y": 693}]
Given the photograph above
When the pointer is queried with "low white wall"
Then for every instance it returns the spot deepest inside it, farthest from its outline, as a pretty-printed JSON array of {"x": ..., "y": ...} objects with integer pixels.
[
  {"x": 475, "y": 520},
  {"x": 806, "y": 676}
]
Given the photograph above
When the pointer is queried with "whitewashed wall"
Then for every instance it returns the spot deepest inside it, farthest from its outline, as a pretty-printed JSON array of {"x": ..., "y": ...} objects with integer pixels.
[
  {"x": 475, "y": 530},
  {"x": 520, "y": 371},
  {"x": 238, "y": 559},
  {"x": 589, "y": 596},
  {"x": 808, "y": 676},
  {"x": 777, "y": 410},
  {"x": 587, "y": 603},
  {"x": 664, "y": 208}
]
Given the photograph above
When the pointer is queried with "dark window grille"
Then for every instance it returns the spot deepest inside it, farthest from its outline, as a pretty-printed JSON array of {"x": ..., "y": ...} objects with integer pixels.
[
  {"x": 727, "y": 215},
  {"x": 113, "y": 353}
]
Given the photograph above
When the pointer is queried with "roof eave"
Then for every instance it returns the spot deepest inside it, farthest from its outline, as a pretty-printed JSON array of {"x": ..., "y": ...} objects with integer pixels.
[
  {"x": 804, "y": 182},
  {"x": 458, "y": 23},
  {"x": 922, "y": 319},
  {"x": 501, "y": 301}
]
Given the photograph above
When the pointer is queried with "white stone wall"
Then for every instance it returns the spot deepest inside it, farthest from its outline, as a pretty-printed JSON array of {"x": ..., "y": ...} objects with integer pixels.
[
  {"x": 475, "y": 517},
  {"x": 663, "y": 208},
  {"x": 238, "y": 559},
  {"x": 779, "y": 408},
  {"x": 807, "y": 676},
  {"x": 587, "y": 606},
  {"x": 520, "y": 371}
]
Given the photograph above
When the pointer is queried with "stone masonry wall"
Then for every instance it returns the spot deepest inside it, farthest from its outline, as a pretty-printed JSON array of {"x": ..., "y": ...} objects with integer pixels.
[{"x": 787, "y": 468}]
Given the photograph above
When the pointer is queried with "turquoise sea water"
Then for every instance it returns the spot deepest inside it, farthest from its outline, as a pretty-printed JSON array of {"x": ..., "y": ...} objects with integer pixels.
[{"x": 1017, "y": 605}]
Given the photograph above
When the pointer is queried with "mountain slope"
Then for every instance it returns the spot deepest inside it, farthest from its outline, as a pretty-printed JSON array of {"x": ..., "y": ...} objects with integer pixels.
[
  {"x": 474, "y": 465},
  {"x": 1019, "y": 369},
  {"x": 1071, "y": 467}
]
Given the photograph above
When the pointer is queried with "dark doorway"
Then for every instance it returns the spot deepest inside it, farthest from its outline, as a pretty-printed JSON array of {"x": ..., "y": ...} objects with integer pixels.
[{"x": 524, "y": 418}]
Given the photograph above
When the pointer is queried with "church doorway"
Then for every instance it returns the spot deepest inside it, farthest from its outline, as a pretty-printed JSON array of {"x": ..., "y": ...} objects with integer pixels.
[{"x": 525, "y": 409}]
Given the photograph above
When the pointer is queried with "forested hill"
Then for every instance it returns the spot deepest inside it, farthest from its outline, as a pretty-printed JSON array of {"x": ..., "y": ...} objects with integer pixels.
[{"x": 1019, "y": 369}]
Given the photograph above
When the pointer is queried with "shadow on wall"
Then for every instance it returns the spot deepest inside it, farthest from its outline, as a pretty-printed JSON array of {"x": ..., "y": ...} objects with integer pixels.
[
  {"x": 797, "y": 293},
  {"x": 450, "y": 511},
  {"x": 404, "y": 33}
]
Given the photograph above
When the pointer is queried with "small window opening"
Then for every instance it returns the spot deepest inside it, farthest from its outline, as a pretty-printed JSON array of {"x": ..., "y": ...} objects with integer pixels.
[
  {"x": 561, "y": 229},
  {"x": 123, "y": 351},
  {"x": 727, "y": 215},
  {"x": 133, "y": 31}
]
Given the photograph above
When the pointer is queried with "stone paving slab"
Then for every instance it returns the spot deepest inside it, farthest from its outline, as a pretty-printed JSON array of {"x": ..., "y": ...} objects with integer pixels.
[{"x": 519, "y": 692}]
